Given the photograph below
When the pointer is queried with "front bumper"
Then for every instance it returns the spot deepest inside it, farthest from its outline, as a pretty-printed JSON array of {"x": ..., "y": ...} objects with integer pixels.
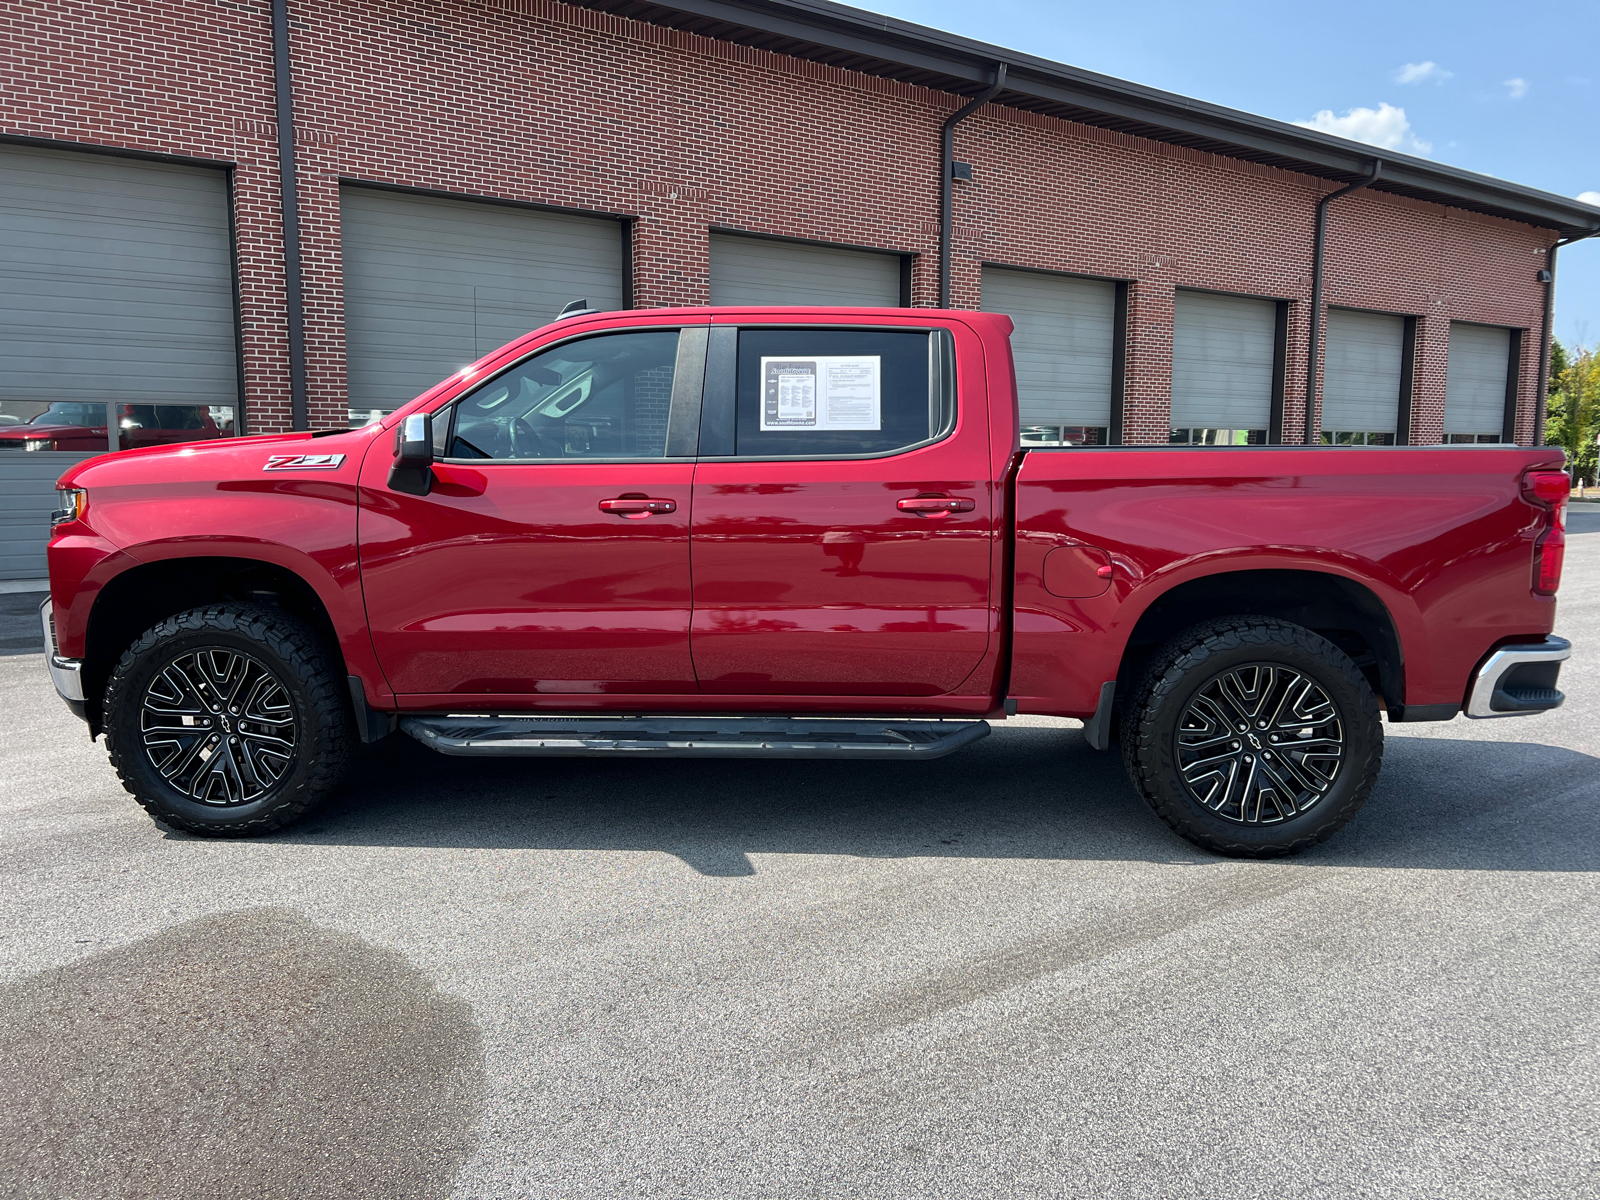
[
  {"x": 1519, "y": 680},
  {"x": 65, "y": 673}
]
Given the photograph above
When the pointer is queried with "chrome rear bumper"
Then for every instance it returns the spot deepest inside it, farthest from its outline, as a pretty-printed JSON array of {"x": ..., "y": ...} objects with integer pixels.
[
  {"x": 1519, "y": 680},
  {"x": 65, "y": 673}
]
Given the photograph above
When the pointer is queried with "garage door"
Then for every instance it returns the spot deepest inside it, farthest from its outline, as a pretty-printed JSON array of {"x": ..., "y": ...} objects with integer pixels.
[
  {"x": 433, "y": 284},
  {"x": 1361, "y": 377},
  {"x": 747, "y": 270},
  {"x": 1062, "y": 348},
  {"x": 1222, "y": 364},
  {"x": 1475, "y": 388},
  {"x": 116, "y": 312}
]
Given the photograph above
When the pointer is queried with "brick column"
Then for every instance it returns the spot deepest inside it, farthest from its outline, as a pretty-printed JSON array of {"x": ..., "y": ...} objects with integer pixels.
[
  {"x": 1428, "y": 379},
  {"x": 1147, "y": 376},
  {"x": 671, "y": 254},
  {"x": 1297, "y": 337},
  {"x": 1527, "y": 387},
  {"x": 322, "y": 286}
]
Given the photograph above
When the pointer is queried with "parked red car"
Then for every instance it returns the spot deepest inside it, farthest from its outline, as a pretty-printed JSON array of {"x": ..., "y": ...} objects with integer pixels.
[{"x": 790, "y": 533}]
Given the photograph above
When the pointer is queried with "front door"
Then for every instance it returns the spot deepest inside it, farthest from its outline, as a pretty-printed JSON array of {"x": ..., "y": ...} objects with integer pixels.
[
  {"x": 552, "y": 555},
  {"x": 843, "y": 517}
]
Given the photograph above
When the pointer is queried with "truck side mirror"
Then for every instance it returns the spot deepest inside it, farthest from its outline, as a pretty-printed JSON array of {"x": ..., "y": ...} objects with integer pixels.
[{"x": 412, "y": 471}]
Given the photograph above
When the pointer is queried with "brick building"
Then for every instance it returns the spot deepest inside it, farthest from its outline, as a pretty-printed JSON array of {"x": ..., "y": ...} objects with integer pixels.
[{"x": 463, "y": 168}]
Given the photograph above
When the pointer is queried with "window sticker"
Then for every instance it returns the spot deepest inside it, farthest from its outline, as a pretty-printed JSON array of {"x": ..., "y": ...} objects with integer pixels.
[{"x": 821, "y": 393}]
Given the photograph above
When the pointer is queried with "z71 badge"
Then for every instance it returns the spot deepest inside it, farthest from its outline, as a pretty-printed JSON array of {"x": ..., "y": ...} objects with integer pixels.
[{"x": 304, "y": 462}]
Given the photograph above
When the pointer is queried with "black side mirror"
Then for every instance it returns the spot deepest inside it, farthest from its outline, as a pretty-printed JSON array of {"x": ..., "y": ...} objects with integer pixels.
[{"x": 412, "y": 471}]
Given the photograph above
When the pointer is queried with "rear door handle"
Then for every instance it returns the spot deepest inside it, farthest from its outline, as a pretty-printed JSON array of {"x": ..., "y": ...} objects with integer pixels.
[
  {"x": 637, "y": 507},
  {"x": 931, "y": 505}
]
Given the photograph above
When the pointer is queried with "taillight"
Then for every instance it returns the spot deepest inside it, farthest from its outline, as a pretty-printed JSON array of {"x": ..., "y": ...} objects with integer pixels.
[{"x": 1549, "y": 490}]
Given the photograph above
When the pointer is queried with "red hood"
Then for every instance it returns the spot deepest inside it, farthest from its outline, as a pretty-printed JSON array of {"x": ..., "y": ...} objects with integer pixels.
[{"x": 220, "y": 458}]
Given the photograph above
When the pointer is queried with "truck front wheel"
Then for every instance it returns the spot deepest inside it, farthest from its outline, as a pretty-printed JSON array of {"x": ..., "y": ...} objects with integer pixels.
[
  {"x": 1253, "y": 737},
  {"x": 227, "y": 720}
]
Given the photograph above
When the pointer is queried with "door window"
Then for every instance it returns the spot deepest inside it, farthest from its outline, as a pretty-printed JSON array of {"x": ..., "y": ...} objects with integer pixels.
[
  {"x": 605, "y": 397},
  {"x": 822, "y": 393}
]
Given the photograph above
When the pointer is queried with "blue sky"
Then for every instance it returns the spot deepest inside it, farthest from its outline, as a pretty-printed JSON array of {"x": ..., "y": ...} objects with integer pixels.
[{"x": 1510, "y": 91}]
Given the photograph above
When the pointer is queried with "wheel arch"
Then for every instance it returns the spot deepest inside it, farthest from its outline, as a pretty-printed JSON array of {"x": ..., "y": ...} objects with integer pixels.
[
  {"x": 135, "y": 599},
  {"x": 1345, "y": 611}
]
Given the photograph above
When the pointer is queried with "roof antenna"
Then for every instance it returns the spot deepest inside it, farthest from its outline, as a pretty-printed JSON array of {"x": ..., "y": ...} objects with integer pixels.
[{"x": 577, "y": 308}]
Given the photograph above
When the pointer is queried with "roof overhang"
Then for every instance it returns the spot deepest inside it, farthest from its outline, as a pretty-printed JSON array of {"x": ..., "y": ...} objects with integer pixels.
[{"x": 819, "y": 31}]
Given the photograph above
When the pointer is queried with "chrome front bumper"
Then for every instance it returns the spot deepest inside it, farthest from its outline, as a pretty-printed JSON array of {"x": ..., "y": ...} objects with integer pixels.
[
  {"x": 65, "y": 673},
  {"x": 1519, "y": 680}
]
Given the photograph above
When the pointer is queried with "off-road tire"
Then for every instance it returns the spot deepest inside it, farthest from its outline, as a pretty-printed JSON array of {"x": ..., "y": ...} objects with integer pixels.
[
  {"x": 299, "y": 659},
  {"x": 1192, "y": 662}
]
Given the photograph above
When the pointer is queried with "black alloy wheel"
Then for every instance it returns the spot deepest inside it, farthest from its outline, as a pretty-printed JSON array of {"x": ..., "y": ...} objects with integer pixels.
[
  {"x": 229, "y": 720},
  {"x": 1253, "y": 737},
  {"x": 218, "y": 726},
  {"x": 1259, "y": 744}
]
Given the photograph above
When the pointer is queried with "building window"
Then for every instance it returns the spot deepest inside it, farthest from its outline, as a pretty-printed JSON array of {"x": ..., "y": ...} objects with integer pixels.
[
  {"x": 1063, "y": 435},
  {"x": 1469, "y": 439},
  {"x": 1345, "y": 437},
  {"x": 1218, "y": 437}
]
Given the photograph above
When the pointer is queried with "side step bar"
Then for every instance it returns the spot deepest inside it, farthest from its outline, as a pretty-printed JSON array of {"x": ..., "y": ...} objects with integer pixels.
[{"x": 692, "y": 737}]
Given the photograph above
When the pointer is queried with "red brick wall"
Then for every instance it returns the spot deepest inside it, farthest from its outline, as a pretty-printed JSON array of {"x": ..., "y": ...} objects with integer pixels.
[{"x": 537, "y": 101}]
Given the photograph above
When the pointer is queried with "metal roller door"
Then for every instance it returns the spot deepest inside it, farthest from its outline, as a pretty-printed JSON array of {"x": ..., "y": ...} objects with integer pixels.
[
  {"x": 748, "y": 270},
  {"x": 116, "y": 289},
  {"x": 1063, "y": 345},
  {"x": 1361, "y": 372},
  {"x": 1222, "y": 361},
  {"x": 433, "y": 284},
  {"x": 1475, "y": 386}
]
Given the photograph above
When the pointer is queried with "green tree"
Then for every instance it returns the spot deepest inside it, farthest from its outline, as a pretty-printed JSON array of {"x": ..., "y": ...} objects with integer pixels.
[{"x": 1572, "y": 408}]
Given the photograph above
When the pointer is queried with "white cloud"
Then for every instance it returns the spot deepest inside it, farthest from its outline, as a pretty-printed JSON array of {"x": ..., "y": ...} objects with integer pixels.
[
  {"x": 1421, "y": 72},
  {"x": 1589, "y": 198},
  {"x": 1515, "y": 88},
  {"x": 1384, "y": 126}
]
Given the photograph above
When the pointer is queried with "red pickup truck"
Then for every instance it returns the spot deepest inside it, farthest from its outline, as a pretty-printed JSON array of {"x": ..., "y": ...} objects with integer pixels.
[{"x": 790, "y": 533}]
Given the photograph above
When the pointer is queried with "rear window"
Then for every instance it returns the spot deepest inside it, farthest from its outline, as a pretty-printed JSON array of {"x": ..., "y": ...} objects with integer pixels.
[{"x": 824, "y": 392}]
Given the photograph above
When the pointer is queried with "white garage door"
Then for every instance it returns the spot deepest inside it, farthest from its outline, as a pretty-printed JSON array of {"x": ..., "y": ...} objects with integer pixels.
[
  {"x": 116, "y": 311},
  {"x": 1361, "y": 377},
  {"x": 746, "y": 270},
  {"x": 1222, "y": 359},
  {"x": 1475, "y": 388},
  {"x": 1062, "y": 348},
  {"x": 433, "y": 284}
]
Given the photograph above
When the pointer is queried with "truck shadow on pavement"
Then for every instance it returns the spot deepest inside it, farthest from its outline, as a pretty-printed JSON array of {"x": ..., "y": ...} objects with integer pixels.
[{"x": 1024, "y": 793}]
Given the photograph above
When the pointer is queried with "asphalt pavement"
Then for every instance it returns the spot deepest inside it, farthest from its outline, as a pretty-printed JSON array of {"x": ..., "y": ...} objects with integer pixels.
[{"x": 995, "y": 975}]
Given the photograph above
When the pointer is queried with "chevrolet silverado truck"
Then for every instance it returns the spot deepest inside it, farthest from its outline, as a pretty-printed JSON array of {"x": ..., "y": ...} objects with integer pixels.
[{"x": 782, "y": 533}]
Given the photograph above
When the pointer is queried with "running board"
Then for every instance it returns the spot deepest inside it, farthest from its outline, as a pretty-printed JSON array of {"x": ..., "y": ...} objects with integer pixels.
[{"x": 687, "y": 737}]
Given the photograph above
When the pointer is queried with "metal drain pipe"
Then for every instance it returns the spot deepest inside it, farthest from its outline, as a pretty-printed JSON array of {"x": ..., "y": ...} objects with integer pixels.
[
  {"x": 283, "y": 83},
  {"x": 1313, "y": 357},
  {"x": 947, "y": 166}
]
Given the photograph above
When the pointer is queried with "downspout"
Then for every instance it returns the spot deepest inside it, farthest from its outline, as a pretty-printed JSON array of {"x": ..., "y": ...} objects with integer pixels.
[
  {"x": 283, "y": 82},
  {"x": 947, "y": 165},
  {"x": 1313, "y": 357},
  {"x": 1541, "y": 400}
]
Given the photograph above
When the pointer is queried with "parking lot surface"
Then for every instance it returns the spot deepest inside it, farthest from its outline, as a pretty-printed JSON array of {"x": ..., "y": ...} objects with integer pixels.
[{"x": 992, "y": 975}]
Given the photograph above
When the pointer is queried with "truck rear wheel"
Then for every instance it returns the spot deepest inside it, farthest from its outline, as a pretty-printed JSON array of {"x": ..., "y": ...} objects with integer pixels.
[
  {"x": 228, "y": 720},
  {"x": 1253, "y": 737}
]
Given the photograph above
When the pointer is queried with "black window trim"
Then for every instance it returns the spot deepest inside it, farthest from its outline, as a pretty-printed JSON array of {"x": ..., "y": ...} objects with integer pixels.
[{"x": 726, "y": 386}]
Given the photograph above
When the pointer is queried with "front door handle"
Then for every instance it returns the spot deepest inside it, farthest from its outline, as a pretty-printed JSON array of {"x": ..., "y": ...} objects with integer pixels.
[
  {"x": 636, "y": 508},
  {"x": 932, "y": 506}
]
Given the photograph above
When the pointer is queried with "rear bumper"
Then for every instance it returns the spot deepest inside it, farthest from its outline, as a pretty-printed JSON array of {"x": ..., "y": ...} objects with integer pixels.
[
  {"x": 1519, "y": 680},
  {"x": 65, "y": 673}
]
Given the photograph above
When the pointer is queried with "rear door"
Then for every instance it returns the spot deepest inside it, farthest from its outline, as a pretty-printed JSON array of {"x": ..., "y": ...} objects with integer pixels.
[
  {"x": 552, "y": 555},
  {"x": 843, "y": 516}
]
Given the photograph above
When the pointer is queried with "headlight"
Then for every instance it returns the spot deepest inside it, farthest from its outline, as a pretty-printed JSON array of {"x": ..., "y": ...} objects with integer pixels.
[
  {"x": 70, "y": 503},
  {"x": 36, "y": 443}
]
